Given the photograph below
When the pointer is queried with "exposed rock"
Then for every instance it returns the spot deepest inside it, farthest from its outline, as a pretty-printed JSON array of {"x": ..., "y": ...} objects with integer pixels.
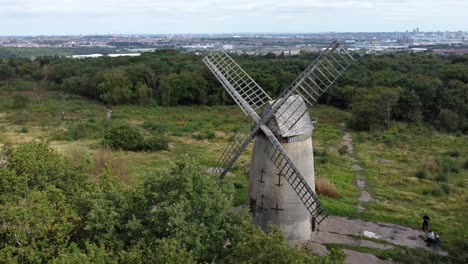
[
  {"x": 354, "y": 257},
  {"x": 317, "y": 249}
]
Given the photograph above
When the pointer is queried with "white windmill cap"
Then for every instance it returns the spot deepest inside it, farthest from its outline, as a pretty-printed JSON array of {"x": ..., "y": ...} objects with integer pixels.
[{"x": 292, "y": 119}]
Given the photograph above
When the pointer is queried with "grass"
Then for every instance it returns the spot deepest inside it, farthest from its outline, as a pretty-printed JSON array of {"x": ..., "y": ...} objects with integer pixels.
[
  {"x": 398, "y": 254},
  {"x": 203, "y": 133},
  {"x": 324, "y": 186},
  {"x": 404, "y": 198}
]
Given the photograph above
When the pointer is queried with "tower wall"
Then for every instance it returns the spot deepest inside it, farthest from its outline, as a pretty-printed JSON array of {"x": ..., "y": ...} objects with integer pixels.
[{"x": 270, "y": 196}]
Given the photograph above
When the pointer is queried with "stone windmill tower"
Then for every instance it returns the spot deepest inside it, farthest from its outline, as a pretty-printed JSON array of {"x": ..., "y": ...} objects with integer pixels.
[{"x": 281, "y": 179}]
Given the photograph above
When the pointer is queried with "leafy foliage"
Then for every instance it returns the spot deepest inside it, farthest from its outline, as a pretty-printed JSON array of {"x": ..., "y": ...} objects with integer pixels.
[
  {"x": 54, "y": 210},
  {"x": 378, "y": 89},
  {"x": 123, "y": 136}
]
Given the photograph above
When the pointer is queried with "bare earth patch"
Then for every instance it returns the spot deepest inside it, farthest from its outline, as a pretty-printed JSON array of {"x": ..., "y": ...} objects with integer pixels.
[
  {"x": 353, "y": 257},
  {"x": 340, "y": 230}
]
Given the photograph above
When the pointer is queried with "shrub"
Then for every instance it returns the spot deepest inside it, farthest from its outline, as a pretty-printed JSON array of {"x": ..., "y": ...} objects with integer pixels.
[
  {"x": 465, "y": 165},
  {"x": 343, "y": 150},
  {"x": 448, "y": 165},
  {"x": 360, "y": 137},
  {"x": 437, "y": 190},
  {"x": 155, "y": 126},
  {"x": 446, "y": 188},
  {"x": 448, "y": 120},
  {"x": 156, "y": 143},
  {"x": 24, "y": 130},
  {"x": 20, "y": 101},
  {"x": 389, "y": 139},
  {"x": 453, "y": 153},
  {"x": 426, "y": 191},
  {"x": 442, "y": 177},
  {"x": 123, "y": 136},
  {"x": 320, "y": 157},
  {"x": 82, "y": 130},
  {"x": 432, "y": 166},
  {"x": 209, "y": 134},
  {"x": 324, "y": 186},
  {"x": 422, "y": 174}
]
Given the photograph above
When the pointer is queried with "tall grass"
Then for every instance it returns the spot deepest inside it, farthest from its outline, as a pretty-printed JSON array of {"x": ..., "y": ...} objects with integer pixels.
[{"x": 325, "y": 186}]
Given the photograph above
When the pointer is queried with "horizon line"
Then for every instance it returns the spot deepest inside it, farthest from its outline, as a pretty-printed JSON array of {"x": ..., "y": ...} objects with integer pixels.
[{"x": 225, "y": 33}]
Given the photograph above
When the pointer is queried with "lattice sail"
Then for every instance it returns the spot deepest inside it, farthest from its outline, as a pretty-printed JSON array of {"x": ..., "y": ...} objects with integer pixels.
[
  {"x": 238, "y": 143},
  {"x": 286, "y": 168},
  {"x": 242, "y": 88},
  {"x": 312, "y": 83}
]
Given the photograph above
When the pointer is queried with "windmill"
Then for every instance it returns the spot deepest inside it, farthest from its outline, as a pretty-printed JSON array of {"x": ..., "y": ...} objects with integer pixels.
[{"x": 281, "y": 178}]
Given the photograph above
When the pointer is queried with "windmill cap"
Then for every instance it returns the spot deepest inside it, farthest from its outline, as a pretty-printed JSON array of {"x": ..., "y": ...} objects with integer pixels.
[{"x": 292, "y": 119}]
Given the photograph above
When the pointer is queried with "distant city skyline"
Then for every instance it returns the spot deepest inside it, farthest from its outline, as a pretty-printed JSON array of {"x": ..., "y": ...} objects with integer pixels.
[{"x": 67, "y": 17}]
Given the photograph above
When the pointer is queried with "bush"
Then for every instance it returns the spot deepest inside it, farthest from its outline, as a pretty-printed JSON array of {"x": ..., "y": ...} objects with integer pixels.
[
  {"x": 465, "y": 165},
  {"x": 123, "y": 136},
  {"x": 24, "y": 130},
  {"x": 156, "y": 143},
  {"x": 343, "y": 150},
  {"x": 422, "y": 174},
  {"x": 209, "y": 134},
  {"x": 155, "y": 126},
  {"x": 437, "y": 190},
  {"x": 389, "y": 139},
  {"x": 320, "y": 157},
  {"x": 446, "y": 188},
  {"x": 20, "y": 101},
  {"x": 82, "y": 130},
  {"x": 448, "y": 120},
  {"x": 453, "y": 153},
  {"x": 432, "y": 166},
  {"x": 448, "y": 165},
  {"x": 442, "y": 177},
  {"x": 326, "y": 187}
]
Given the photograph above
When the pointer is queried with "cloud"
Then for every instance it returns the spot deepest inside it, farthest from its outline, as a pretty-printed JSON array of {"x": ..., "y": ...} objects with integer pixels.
[{"x": 154, "y": 16}]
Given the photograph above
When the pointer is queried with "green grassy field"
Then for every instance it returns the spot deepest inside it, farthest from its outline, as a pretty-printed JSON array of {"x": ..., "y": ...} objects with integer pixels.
[{"x": 409, "y": 169}]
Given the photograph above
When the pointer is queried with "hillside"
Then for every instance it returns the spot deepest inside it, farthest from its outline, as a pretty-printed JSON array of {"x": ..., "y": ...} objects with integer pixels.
[
  {"x": 103, "y": 159},
  {"x": 391, "y": 159}
]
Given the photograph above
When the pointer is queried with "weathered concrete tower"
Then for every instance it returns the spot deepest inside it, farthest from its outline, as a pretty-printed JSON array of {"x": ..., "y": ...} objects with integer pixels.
[{"x": 270, "y": 197}]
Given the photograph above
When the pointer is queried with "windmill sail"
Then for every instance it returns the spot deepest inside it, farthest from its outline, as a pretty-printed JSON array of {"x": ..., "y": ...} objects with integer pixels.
[
  {"x": 236, "y": 146},
  {"x": 240, "y": 86},
  {"x": 311, "y": 84}
]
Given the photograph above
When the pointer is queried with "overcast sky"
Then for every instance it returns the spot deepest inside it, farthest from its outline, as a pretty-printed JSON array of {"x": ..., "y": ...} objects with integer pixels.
[{"x": 55, "y": 17}]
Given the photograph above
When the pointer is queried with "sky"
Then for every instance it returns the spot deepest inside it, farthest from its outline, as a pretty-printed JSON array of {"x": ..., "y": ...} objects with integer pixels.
[{"x": 70, "y": 17}]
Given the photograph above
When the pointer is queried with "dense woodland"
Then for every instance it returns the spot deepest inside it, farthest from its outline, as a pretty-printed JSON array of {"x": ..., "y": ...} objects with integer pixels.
[
  {"x": 60, "y": 209},
  {"x": 377, "y": 89}
]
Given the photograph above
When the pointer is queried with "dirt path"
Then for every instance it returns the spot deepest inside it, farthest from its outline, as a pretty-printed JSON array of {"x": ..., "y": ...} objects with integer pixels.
[{"x": 365, "y": 196}]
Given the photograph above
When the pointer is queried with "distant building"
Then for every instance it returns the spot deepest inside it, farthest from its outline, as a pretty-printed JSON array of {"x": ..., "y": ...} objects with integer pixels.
[
  {"x": 227, "y": 47},
  {"x": 110, "y": 55},
  {"x": 86, "y": 56},
  {"x": 125, "y": 55}
]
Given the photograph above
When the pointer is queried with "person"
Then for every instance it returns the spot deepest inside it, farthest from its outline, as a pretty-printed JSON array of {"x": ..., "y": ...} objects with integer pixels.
[
  {"x": 430, "y": 238},
  {"x": 425, "y": 224}
]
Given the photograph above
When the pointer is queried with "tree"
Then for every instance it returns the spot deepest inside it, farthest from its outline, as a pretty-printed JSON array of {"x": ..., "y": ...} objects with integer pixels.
[
  {"x": 115, "y": 88},
  {"x": 6, "y": 71},
  {"x": 375, "y": 108},
  {"x": 142, "y": 93}
]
